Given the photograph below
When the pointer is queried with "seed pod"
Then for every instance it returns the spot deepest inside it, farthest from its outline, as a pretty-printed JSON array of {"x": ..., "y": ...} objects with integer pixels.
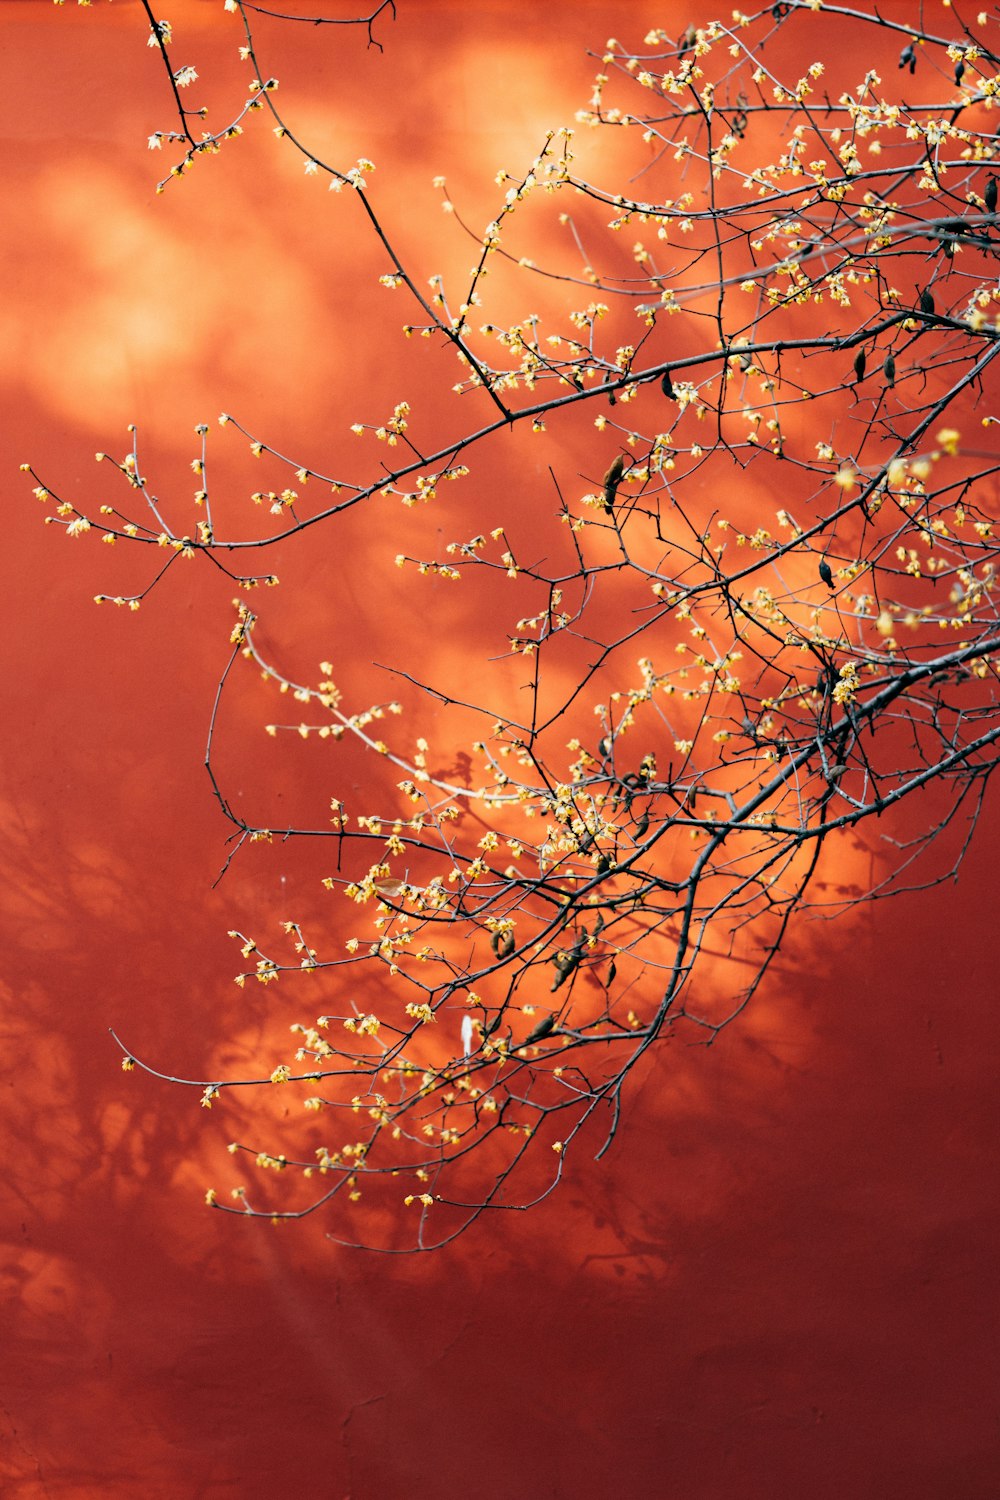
[
  {"x": 544, "y": 1028},
  {"x": 687, "y": 41},
  {"x": 889, "y": 369},
  {"x": 860, "y": 359},
  {"x": 565, "y": 963},
  {"x": 502, "y": 943},
  {"x": 611, "y": 481}
]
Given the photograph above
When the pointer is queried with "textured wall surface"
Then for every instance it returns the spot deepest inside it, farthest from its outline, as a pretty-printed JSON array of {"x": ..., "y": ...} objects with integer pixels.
[{"x": 778, "y": 1282}]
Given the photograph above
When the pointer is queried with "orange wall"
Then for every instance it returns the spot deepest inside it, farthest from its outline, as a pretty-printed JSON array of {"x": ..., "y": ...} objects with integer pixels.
[{"x": 779, "y": 1281}]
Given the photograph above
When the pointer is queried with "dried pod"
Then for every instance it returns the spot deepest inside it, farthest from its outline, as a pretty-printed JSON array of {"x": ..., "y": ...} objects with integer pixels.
[
  {"x": 545, "y": 1028},
  {"x": 611, "y": 481}
]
